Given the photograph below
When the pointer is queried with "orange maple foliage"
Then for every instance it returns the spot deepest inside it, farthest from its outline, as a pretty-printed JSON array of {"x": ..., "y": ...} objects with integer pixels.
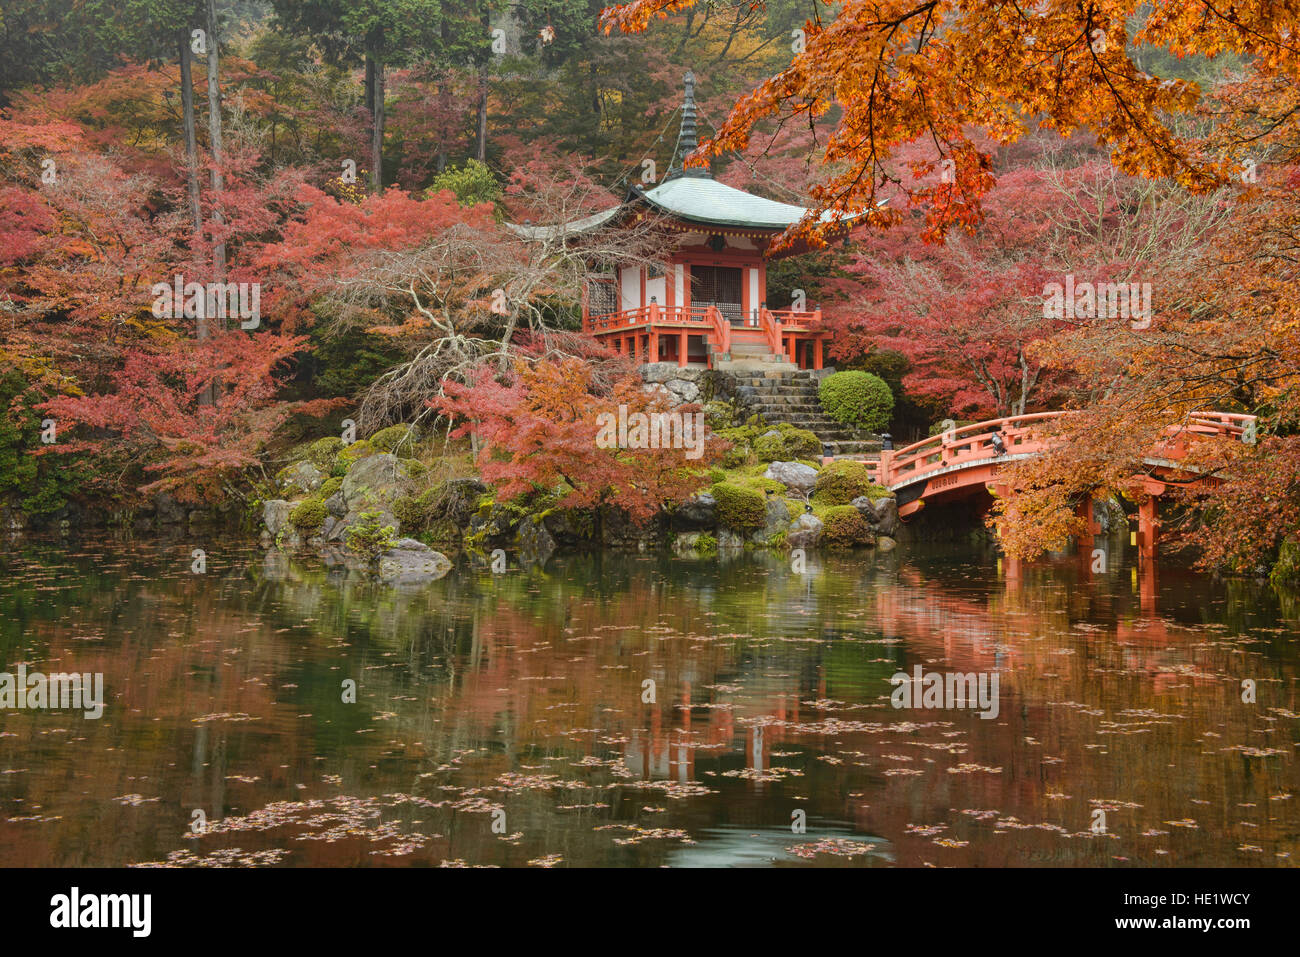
[{"x": 897, "y": 72}]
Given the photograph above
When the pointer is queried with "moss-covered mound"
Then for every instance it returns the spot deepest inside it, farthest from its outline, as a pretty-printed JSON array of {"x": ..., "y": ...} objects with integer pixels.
[
  {"x": 846, "y": 528},
  {"x": 309, "y": 514},
  {"x": 840, "y": 482},
  {"x": 399, "y": 439},
  {"x": 739, "y": 507}
]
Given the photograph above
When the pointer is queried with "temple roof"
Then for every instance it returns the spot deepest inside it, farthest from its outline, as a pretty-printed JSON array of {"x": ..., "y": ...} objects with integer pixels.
[
  {"x": 704, "y": 200},
  {"x": 689, "y": 194}
]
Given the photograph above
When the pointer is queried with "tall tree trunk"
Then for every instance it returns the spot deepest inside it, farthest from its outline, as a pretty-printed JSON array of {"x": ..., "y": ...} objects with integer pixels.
[
  {"x": 218, "y": 178},
  {"x": 481, "y": 150},
  {"x": 191, "y": 139},
  {"x": 444, "y": 99},
  {"x": 214, "y": 135},
  {"x": 485, "y": 20},
  {"x": 377, "y": 138}
]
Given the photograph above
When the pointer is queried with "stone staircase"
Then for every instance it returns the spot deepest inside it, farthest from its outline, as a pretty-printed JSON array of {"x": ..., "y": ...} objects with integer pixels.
[{"x": 781, "y": 393}]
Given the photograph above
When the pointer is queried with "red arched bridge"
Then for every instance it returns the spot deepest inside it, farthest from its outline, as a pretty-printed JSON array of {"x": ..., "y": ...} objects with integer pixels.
[{"x": 965, "y": 461}]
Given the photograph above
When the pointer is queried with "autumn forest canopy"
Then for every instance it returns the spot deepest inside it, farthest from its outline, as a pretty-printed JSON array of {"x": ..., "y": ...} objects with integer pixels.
[{"x": 355, "y": 169}]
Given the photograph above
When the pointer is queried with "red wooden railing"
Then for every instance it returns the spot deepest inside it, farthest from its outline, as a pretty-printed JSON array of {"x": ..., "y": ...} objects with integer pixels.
[
  {"x": 771, "y": 327},
  {"x": 721, "y": 329},
  {"x": 1024, "y": 435}
]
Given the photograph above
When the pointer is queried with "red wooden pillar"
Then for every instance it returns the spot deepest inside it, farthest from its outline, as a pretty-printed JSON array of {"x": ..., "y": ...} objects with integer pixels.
[
  {"x": 817, "y": 353},
  {"x": 1147, "y": 529},
  {"x": 654, "y": 345},
  {"x": 682, "y": 342},
  {"x": 636, "y": 345},
  {"x": 1084, "y": 511}
]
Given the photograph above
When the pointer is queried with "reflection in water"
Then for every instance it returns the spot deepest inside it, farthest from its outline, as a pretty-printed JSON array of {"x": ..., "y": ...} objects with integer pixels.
[{"x": 642, "y": 710}]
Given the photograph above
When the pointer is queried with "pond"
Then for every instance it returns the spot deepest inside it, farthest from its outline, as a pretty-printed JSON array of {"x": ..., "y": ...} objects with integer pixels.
[{"x": 645, "y": 710}]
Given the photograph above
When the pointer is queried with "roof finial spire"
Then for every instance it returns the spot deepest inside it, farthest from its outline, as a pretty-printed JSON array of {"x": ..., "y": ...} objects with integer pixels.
[{"x": 688, "y": 138}]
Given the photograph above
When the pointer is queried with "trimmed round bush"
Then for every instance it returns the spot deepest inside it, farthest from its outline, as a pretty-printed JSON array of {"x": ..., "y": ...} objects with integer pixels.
[
  {"x": 858, "y": 399},
  {"x": 739, "y": 507},
  {"x": 308, "y": 515},
  {"x": 844, "y": 527},
  {"x": 840, "y": 482}
]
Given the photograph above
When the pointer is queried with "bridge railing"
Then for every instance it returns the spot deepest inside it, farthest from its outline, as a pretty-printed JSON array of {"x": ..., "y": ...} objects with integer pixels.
[
  {"x": 1024, "y": 434},
  {"x": 970, "y": 443}
]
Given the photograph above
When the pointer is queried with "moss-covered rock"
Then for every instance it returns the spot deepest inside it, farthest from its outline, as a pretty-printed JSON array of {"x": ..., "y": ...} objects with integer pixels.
[
  {"x": 844, "y": 527},
  {"x": 323, "y": 452},
  {"x": 399, "y": 439},
  {"x": 840, "y": 482},
  {"x": 739, "y": 507},
  {"x": 1286, "y": 570},
  {"x": 330, "y": 486},
  {"x": 351, "y": 455},
  {"x": 308, "y": 515}
]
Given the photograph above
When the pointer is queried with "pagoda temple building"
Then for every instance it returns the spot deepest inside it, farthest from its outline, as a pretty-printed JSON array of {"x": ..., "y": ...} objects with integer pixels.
[{"x": 709, "y": 306}]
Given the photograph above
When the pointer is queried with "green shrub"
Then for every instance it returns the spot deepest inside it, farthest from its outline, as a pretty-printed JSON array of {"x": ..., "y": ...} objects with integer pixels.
[
  {"x": 473, "y": 183},
  {"x": 844, "y": 527},
  {"x": 739, "y": 507},
  {"x": 840, "y": 482},
  {"x": 742, "y": 439},
  {"x": 308, "y": 515},
  {"x": 858, "y": 399},
  {"x": 800, "y": 443},
  {"x": 706, "y": 545},
  {"x": 395, "y": 437},
  {"x": 323, "y": 452},
  {"x": 788, "y": 444},
  {"x": 368, "y": 538},
  {"x": 330, "y": 486}
]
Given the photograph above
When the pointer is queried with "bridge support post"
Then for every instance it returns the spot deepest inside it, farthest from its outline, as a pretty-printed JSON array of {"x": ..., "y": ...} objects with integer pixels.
[
  {"x": 1147, "y": 529},
  {"x": 1084, "y": 511}
]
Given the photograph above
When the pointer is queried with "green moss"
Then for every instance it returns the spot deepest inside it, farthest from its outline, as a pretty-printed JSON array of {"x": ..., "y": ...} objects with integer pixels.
[
  {"x": 840, "y": 482},
  {"x": 323, "y": 452},
  {"x": 739, "y": 507},
  {"x": 784, "y": 443},
  {"x": 357, "y": 450},
  {"x": 368, "y": 538},
  {"x": 330, "y": 486},
  {"x": 706, "y": 545},
  {"x": 399, "y": 439},
  {"x": 846, "y": 528},
  {"x": 309, "y": 514}
]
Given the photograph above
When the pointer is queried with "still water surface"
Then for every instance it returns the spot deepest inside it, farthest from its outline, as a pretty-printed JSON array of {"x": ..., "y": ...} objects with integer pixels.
[{"x": 525, "y": 693}]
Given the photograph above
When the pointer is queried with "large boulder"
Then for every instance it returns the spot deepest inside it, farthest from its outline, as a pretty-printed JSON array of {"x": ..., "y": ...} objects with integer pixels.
[
  {"x": 374, "y": 484},
  {"x": 805, "y": 531},
  {"x": 167, "y": 511},
  {"x": 410, "y": 562},
  {"x": 683, "y": 390},
  {"x": 301, "y": 477},
  {"x": 460, "y": 499},
  {"x": 793, "y": 475},
  {"x": 374, "y": 479},
  {"x": 776, "y": 524},
  {"x": 275, "y": 515},
  {"x": 570, "y": 527},
  {"x": 536, "y": 544},
  {"x": 698, "y": 514},
  {"x": 881, "y": 513}
]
